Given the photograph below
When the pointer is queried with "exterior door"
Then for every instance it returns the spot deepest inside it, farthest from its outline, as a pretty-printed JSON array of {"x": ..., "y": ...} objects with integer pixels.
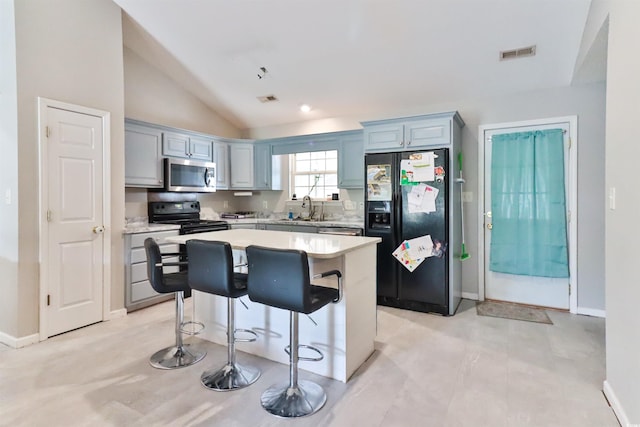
[
  {"x": 530, "y": 290},
  {"x": 72, "y": 161}
]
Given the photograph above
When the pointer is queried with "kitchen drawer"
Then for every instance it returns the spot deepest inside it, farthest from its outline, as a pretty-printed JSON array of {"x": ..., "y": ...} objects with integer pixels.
[
  {"x": 139, "y": 270},
  {"x": 142, "y": 290},
  {"x": 137, "y": 240},
  {"x": 140, "y": 255}
]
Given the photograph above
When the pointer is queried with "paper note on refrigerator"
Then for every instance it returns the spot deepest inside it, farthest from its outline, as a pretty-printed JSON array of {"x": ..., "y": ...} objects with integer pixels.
[
  {"x": 422, "y": 198},
  {"x": 419, "y": 168},
  {"x": 411, "y": 253},
  {"x": 420, "y": 247},
  {"x": 402, "y": 255}
]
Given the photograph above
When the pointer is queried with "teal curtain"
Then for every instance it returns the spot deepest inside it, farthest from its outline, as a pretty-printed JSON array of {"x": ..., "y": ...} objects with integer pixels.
[{"x": 529, "y": 234}]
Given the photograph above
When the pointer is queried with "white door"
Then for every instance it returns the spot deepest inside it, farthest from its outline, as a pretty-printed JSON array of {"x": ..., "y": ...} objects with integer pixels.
[
  {"x": 73, "y": 177},
  {"x": 530, "y": 290}
]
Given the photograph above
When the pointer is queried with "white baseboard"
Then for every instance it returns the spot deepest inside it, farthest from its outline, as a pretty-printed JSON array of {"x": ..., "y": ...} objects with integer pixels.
[
  {"x": 615, "y": 404},
  {"x": 469, "y": 295},
  {"x": 122, "y": 312},
  {"x": 14, "y": 342},
  {"x": 591, "y": 312}
]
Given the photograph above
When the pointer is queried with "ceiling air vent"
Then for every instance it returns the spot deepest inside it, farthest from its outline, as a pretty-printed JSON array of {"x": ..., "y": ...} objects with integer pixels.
[
  {"x": 267, "y": 98},
  {"x": 518, "y": 53}
]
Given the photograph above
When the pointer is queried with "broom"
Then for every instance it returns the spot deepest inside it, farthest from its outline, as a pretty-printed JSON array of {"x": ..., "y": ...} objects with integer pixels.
[{"x": 463, "y": 252}]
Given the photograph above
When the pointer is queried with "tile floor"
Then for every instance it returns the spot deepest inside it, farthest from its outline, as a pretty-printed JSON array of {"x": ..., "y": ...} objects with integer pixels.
[{"x": 427, "y": 370}]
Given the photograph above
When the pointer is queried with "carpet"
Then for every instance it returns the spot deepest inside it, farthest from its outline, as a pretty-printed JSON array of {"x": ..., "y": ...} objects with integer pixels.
[{"x": 507, "y": 310}]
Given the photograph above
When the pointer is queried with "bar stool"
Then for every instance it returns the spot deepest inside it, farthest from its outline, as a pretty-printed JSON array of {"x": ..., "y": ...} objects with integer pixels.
[
  {"x": 181, "y": 354},
  {"x": 280, "y": 278},
  {"x": 211, "y": 271}
]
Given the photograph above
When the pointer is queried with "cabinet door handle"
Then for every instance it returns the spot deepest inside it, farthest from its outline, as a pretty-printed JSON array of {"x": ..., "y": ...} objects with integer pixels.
[
  {"x": 408, "y": 143},
  {"x": 401, "y": 142}
]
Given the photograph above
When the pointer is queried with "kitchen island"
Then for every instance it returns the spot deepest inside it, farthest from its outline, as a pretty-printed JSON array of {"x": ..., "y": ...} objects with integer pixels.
[{"x": 345, "y": 331}]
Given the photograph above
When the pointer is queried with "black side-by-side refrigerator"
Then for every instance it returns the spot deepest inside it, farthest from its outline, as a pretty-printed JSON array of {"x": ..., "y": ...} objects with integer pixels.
[{"x": 407, "y": 212}]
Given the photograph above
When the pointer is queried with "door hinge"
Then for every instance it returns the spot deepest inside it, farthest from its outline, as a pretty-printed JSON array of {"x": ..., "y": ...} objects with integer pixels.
[
  {"x": 48, "y": 300},
  {"x": 568, "y": 216},
  {"x": 47, "y": 131},
  {"x": 569, "y": 143},
  {"x": 569, "y": 288},
  {"x": 48, "y": 215}
]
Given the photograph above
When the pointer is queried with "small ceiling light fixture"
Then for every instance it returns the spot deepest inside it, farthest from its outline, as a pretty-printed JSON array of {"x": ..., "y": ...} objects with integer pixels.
[
  {"x": 262, "y": 72},
  {"x": 305, "y": 108}
]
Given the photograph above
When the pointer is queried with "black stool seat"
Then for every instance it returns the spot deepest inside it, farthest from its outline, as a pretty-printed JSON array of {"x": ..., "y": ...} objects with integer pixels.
[
  {"x": 181, "y": 354},
  {"x": 280, "y": 278},
  {"x": 211, "y": 270}
]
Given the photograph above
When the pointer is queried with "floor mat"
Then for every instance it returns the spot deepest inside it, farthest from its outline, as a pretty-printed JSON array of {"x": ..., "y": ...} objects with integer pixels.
[{"x": 512, "y": 311}]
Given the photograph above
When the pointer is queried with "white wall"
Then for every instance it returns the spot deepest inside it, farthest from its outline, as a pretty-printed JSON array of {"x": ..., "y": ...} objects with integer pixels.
[
  {"x": 71, "y": 51},
  {"x": 8, "y": 171},
  {"x": 622, "y": 231},
  {"x": 153, "y": 97},
  {"x": 587, "y": 102}
]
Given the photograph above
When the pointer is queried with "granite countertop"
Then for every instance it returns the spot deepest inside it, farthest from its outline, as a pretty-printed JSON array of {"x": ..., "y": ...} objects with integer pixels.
[
  {"x": 358, "y": 223},
  {"x": 144, "y": 227}
]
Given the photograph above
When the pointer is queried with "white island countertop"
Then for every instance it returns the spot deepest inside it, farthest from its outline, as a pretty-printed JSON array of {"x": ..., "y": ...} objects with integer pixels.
[{"x": 315, "y": 245}]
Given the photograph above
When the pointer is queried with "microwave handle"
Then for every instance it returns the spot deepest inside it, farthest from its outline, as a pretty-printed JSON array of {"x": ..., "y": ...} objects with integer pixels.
[{"x": 207, "y": 180}]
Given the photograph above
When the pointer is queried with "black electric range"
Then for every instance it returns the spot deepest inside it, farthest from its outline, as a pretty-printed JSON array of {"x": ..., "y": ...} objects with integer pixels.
[{"x": 185, "y": 214}]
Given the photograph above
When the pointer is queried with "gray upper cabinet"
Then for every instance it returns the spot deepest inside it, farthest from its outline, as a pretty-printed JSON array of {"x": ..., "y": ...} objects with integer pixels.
[
  {"x": 221, "y": 158},
  {"x": 351, "y": 161},
  {"x": 142, "y": 162},
  {"x": 409, "y": 133},
  {"x": 262, "y": 166},
  {"x": 242, "y": 165},
  {"x": 187, "y": 146}
]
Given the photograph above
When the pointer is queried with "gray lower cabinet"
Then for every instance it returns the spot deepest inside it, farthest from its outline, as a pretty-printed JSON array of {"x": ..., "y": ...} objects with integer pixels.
[
  {"x": 242, "y": 226},
  {"x": 142, "y": 158},
  {"x": 292, "y": 227},
  {"x": 138, "y": 290}
]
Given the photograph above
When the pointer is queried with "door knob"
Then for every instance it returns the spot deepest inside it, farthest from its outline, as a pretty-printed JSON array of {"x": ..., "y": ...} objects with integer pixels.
[
  {"x": 99, "y": 229},
  {"x": 489, "y": 226}
]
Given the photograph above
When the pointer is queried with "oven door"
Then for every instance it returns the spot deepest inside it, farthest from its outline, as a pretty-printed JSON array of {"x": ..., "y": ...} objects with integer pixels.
[{"x": 189, "y": 176}]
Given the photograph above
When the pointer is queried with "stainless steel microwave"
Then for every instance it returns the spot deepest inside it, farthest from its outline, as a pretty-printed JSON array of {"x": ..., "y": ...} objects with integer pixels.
[{"x": 189, "y": 175}]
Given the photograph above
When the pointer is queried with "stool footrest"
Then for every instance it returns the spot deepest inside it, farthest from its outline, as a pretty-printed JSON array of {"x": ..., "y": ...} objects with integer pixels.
[
  {"x": 196, "y": 327},
  {"x": 287, "y": 350},
  {"x": 246, "y": 331}
]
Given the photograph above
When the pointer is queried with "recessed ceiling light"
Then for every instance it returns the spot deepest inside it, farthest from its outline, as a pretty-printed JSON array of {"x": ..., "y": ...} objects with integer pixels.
[{"x": 305, "y": 108}]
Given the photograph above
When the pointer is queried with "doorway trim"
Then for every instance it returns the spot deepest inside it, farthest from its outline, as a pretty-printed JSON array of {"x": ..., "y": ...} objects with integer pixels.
[
  {"x": 572, "y": 207},
  {"x": 43, "y": 229}
]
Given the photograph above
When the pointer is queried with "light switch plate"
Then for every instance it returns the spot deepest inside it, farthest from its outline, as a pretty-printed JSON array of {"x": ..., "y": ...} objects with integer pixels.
[{"x": 467, "y": 196}]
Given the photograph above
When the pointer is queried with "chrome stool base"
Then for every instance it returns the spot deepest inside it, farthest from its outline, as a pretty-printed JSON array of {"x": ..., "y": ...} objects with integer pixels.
[
  {"x": 176, "y": 357},
  {"x": 232, "y": 376},
  {"x": 289, "y": 402}
]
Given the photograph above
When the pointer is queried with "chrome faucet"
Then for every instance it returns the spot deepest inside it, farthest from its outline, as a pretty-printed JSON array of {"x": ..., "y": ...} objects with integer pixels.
[{"x": 306, "y": 205}]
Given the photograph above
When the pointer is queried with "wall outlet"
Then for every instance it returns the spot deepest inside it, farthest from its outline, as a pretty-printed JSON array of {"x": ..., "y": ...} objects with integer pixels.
[
  {"x": 361, "y": 206},
  {"x": 265, "y": 204},
  {"x": 225, "y": 204}
]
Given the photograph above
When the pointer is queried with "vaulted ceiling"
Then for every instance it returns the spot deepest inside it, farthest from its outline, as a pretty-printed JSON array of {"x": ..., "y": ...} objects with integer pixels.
[{"x": 356, "y": 57}]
